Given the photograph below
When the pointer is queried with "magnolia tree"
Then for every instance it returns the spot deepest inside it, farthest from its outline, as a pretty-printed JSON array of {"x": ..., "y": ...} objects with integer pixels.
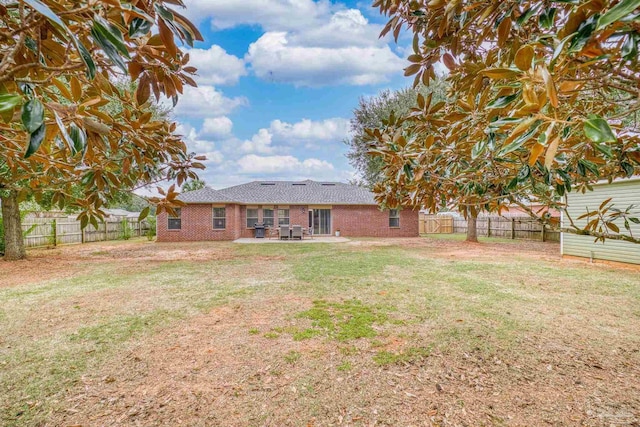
[
  {"x": 60, "y": 61},
  {"x": 544, "y": 99}
]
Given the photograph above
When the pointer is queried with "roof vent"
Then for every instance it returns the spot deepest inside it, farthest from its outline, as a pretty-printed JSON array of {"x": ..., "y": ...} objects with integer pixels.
[
  {"x": 267, "y": 183},
  {"x": 298, "y": 183},
  {"x": 329, "y": 184}
]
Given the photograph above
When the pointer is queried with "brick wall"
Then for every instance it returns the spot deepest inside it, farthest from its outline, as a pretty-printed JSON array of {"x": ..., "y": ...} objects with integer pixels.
[
  {"x": 298, "y": 215},
  {"x": 369, "y": 221},
  {"x": 352, "y": 221},
  {"x": 197, "y": 224}
]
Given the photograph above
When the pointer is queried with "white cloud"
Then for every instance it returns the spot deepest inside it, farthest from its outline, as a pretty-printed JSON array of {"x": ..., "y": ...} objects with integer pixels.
[
  {"x": 259, "y": 143},
  {"x": 344, "y": 28},
  {"x": 274, "y": 58},
  {"x": 216, "y": 67},
  {"x": 335, "y": 129},
  {"x": 217, "y": 127},
  {"x": 206, "y": 101},
  {"x": 269, "y": 14},
  {"x": 200, "y": 146},
  {"x": 270, "y": 165}
]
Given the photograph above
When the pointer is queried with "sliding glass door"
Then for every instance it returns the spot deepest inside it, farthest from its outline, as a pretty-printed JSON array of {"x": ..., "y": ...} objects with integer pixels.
[{"x": 320, "y": 221}]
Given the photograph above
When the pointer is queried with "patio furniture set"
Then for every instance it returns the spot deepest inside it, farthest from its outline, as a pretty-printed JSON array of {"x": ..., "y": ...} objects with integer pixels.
[{"x": 284, "y": 232}]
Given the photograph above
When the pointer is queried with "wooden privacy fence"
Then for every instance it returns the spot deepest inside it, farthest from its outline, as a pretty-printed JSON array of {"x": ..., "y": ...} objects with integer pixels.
[
  {"x": 509, "y": 228},
  {"x": 64, "y": 231},
  {"x": 432, "y": 224}
]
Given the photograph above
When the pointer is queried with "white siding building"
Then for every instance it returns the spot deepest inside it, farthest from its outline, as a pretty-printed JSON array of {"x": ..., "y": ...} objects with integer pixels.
[{"x": 624, "y": 192}]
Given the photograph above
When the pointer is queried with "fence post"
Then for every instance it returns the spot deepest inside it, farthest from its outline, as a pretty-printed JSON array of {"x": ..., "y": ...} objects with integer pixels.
[
  {"x": 488, "y": 226},
  {"x": 542, "y": 232},
  {"x": 106, "y": 231},
  {"x": 513, "y": 228},
  {"x": 55, "y": 232}
]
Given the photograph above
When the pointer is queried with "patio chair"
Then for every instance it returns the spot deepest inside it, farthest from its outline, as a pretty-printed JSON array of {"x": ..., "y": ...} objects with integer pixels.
[
  {"x": 310, "y": 232},
  {"x": 296, "y": 232},
  {"x": 284, "y": 232}
]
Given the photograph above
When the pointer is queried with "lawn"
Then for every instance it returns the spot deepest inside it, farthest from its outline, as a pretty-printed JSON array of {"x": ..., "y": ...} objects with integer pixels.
[{"x": 402, "y": 332}]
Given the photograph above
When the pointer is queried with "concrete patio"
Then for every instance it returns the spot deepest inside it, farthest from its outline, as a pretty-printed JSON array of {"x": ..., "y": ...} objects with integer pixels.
[{"x": 316, "y": 239}]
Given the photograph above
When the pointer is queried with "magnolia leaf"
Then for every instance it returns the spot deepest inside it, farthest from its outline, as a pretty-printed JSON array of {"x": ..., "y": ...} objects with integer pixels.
[
  {"x": 500, "y": 73},
  {"x": 32, "y": 115},
  {"x": 503, "y": 101},
  {"x": 551, "y": 152},
  {"x": 143, "y": 214},
  {"x": 597, "y": 129},
  {"x": 78, "y": 137},
  {"x": 35, "y": 140},
  {"x": 99, "y": 34},
  {"x": 65, "y": 134},
  {"x": 536, "y": 151},
  {"x": 9, "y": 101},
  {"x": 524, "y": 57},
  {"x": 617, "y": 12}
]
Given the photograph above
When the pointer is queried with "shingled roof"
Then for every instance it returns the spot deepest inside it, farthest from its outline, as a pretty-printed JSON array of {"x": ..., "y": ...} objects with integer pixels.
[{"x": 284, "y": 192}]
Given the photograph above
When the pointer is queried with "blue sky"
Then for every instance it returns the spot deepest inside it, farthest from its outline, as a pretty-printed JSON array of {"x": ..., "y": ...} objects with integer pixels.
[{"x": 277, "y": 83}]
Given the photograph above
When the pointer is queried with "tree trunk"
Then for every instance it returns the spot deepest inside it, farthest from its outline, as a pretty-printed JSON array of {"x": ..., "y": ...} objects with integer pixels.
[
  {"x": 472, "y": 229},
  {"x": 13, "y": 240}
]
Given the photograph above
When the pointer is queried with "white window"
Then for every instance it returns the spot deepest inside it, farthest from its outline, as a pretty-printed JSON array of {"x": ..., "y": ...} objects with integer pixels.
[
  {"x": 252, "y": 217},
  {"x": 394, "y": 218},
  {"x": 283, "y": 216},
  {"x": 267, "y": 217},
  {"x": 219, "y": 218},
  {"x": 175, "y": 222}
]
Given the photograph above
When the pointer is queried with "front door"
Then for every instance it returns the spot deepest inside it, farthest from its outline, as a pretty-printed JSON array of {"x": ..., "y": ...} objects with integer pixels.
[{"x": 320, "y": 221}]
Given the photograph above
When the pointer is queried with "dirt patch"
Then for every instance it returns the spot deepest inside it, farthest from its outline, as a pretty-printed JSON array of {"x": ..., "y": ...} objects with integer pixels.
[{"x": 211, "y": 371}]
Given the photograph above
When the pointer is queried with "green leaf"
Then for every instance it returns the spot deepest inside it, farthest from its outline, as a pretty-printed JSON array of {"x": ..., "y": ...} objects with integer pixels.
[
  {"x": 618, "y": 12},
  {"x": 143, "y": 214},
  {"x": 65, "y": 134},
  {"x": 9, "y": 101},
  {"x": 597, "y": 129},
  {"x": 503, "y": 101},
  {"x": 112, "y": 34},
  {"x": 583, "y": 34},
  {"x": 78, "y": 137},
  {"x": 588, "y": 165},
  {"x": 478, "y": 149},
  {"x": 109, "y": 49},
  {"x": 629, "y": 49},
  {"x": 547, "y": 18},
  {"x": 604, "y": 149},
  {"x": 88, "y": 60},
  {"x": 558, "y": 50},
  {"x": 32, "y": 115},
  {"x": 84, "y": 53},
  {"x": 519, "y": 142},
  {"x": 139, "y": 27},
  {"x": 35, "y": 139},
  {"x": 43, "y": 9}
]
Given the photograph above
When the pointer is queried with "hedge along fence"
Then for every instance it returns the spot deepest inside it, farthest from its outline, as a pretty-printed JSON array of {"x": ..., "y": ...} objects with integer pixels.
[
  {"x": 64, "y": 231},
  {"x": 509, "y": 228}
]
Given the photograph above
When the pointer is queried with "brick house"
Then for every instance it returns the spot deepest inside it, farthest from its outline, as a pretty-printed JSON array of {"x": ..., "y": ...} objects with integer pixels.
[{"x": 322, "y": 207}]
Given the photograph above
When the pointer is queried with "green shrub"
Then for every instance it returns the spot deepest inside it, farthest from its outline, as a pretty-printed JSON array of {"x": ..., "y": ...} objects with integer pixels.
[
  {"x": 151, "y": 231},
  {"x": 125, "y": 232}
]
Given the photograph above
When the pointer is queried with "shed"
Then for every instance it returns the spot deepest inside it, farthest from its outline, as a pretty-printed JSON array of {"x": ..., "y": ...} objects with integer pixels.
[{"x": 623, "y": 192}]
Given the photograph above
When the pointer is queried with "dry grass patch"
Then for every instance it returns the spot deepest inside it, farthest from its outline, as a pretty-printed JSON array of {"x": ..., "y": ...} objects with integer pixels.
[{"x": 374, "y": 332}]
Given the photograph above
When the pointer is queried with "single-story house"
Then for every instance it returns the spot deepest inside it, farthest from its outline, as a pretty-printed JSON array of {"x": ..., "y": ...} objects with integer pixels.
[
  {"x": 623, "y": 193},
  {"x": 323, "y": 207}
]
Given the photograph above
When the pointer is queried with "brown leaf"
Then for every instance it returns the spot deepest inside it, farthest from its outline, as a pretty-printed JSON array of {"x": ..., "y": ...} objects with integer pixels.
[
  {"x": 536, "y": 151},
  {"x": 167, "y": 38},
  {"x": 504, "y": 29},
  {"x": 550, "y": 86},
  {"x": 449, "y": 62},
  {"x": 551, "y": 152},
  {"x": 524, "y": 57}
]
